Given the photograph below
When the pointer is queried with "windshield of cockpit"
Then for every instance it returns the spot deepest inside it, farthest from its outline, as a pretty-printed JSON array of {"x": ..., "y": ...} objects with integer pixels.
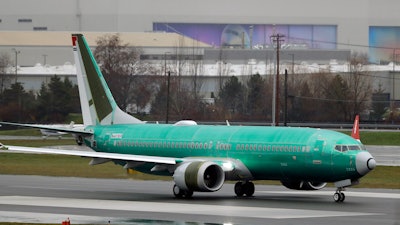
[{"x": 344, "y": 148}]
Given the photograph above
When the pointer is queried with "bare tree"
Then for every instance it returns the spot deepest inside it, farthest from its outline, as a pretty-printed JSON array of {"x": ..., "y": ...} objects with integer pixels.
[
  {"x": 5, "y": 61},
  {"x": 359, "y": 82},
  {"x": 121, "y": 65}
]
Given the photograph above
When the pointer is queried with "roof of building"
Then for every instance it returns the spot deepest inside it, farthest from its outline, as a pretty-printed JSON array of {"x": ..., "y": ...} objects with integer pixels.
[{"x": 55, "y": 38}]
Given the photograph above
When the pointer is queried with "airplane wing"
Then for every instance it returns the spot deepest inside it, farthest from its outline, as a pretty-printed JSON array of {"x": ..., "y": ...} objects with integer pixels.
[
  {"x": 93, "y": 154},
  {"x": 233, "y": 167},
  {"x": 51, "y": 128}
]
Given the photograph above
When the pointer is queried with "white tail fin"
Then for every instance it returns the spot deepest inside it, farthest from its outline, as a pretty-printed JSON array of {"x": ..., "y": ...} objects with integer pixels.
[
  {"x": 355, "y": 132},
  {"x": 97, "y": 103}
]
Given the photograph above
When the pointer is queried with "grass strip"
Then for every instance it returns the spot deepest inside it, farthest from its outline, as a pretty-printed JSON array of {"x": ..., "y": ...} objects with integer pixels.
[{"x": 65, "y": 166}]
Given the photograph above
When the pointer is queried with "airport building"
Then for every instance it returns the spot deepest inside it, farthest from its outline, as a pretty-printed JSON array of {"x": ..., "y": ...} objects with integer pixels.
[{"x": 241, "y": 35}]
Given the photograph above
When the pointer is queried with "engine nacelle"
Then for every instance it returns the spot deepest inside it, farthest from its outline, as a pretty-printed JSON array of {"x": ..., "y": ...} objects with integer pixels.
[
  {"x": 303, "y": 185},
  {"x": 199, "y": 176}
]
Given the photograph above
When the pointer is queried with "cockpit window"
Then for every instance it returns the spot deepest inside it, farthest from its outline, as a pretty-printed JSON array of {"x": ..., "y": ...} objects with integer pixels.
[
  {"x": 354, "y": 147},
  {"x": 344, "y": 148}
]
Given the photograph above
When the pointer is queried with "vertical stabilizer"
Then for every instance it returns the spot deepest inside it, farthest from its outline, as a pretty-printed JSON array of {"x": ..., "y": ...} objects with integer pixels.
[
  {"x": 355, "y": 132},
  {"x": 97, "y": 103}
]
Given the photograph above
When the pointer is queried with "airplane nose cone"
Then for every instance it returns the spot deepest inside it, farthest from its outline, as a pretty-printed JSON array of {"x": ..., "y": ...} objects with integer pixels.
[{"x": 365, "y": 163}]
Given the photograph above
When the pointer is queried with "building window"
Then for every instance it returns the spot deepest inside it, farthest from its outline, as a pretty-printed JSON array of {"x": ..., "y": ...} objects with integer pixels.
[
  {"x": 39, "y": 28},
  {"x": 24, "y": 20}
]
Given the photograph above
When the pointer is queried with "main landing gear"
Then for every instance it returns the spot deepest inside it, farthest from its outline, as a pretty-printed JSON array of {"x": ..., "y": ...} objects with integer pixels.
[
  {"x": 179, "y": 193},
  {"x": 246, "y": 188},
  {"x": 339, "y": 195}
]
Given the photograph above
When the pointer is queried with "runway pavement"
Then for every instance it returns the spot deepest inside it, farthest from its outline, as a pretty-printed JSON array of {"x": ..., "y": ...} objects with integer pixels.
[{"x": 98, "y": 201}]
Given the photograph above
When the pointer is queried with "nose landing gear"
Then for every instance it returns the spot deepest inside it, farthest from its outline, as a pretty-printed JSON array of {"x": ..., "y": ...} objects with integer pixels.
[{"x": 339, "y": 195}]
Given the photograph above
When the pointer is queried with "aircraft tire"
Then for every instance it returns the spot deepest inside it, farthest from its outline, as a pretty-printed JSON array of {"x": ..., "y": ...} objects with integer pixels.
[
  {"x": 188, "y": 194},
  {"x": 342, "y": 197},
  {"x": 339, "y": 197},
  {"x": 239, "y": 190},
  {"x": 179, "y": 193},
  {"x": 249, "y": 189}
]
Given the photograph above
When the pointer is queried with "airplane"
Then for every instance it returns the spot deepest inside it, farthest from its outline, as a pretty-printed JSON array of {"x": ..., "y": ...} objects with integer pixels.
[{"x": 200, "y": 158}]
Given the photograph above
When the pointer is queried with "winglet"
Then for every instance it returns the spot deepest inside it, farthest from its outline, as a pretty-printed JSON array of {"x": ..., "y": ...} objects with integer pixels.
[{"x": 355, "y": 132}]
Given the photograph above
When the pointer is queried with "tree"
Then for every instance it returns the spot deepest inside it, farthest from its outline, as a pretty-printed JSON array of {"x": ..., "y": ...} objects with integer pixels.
[
  {"x": 183, "y": 104},
  {"x": 231, "y": 97},
  {"x": 17, "y": 104},
  {"x": 120, "y": 64},
  {"x": 5, "y": 61},
  {"x": 380, "y": 104},
  {"x": 257, "y": 95},
  {"x": 336, "y": 92},
  {"x": 359, "y": 83},
  {"x": 55, "y": 100}
]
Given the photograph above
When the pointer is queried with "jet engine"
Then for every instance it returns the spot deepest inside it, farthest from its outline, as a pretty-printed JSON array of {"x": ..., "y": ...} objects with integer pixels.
[
  {"x": 199, "y": 176},
  {"x": 303, "y": 185}
]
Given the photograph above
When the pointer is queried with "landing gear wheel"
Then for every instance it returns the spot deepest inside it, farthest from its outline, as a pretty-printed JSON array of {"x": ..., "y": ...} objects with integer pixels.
[
  {"x": 188, "y": 194},
  {"x": 336, "y": 197},
  {"x": 342, "y": 197},
  {"x": 246, "y": 188},
  {"x": 179, "y": 193},
  {"x": 249, "y": 189},
  {"x": 239, "y": 190},
  {"x": 339, "y": 196}
]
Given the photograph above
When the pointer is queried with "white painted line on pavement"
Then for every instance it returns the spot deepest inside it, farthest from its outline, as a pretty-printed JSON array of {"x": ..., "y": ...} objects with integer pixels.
[{"x": 176, "y": 208}]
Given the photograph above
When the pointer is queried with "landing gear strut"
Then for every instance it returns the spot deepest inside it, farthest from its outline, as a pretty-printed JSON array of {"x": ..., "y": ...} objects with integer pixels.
[
  {"x": 179, "y": 193},
  {"x": 339, "y": 195},
  {"x": 246, "y": 188}
]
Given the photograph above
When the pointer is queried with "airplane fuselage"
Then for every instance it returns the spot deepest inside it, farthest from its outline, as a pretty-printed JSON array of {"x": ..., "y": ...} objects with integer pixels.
[{"x": 276, "y": 153}]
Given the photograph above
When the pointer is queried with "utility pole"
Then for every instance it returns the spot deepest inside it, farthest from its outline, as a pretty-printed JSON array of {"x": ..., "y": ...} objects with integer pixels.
[
  {"x": 277, "y": 38},
  {"x": 286, "y": 96},
  {"x": 168, "y": 82},
  {"x": 16, "y": 63}
]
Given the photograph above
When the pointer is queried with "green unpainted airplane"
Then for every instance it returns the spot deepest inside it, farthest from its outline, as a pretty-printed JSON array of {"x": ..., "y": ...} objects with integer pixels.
[{"x": 201, "y": 157}]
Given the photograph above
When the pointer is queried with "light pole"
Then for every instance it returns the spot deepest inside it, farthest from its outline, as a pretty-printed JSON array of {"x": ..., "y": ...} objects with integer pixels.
[
  {"x": 16, "y": 63},
  {"x": 44, "y": 59},
  {"x": 168, "y": 83},
  {"x": 277, "y": 38},
  {"x": 165, "y": 62},
  {"x": 291, "y": 80}
]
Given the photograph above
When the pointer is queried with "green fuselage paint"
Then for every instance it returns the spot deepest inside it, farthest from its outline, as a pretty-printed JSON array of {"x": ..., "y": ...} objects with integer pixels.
[{"x": 272, "y": 153}]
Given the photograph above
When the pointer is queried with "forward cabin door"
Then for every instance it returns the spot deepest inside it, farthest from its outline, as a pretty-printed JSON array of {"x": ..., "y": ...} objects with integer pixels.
[{"x": 315, "y": 160}]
